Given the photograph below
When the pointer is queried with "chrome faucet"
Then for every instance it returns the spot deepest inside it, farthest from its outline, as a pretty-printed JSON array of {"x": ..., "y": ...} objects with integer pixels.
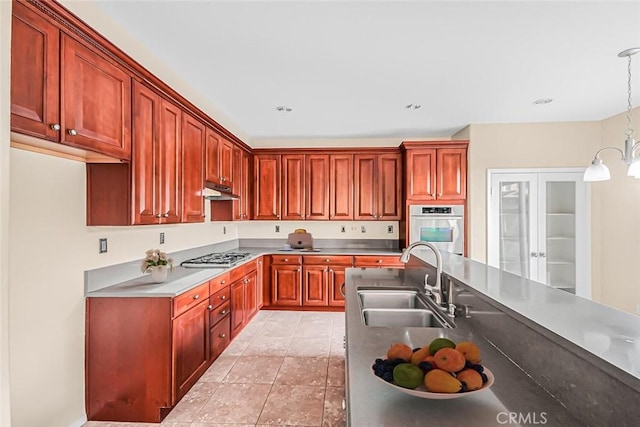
[{"x": 436, "y": 290}]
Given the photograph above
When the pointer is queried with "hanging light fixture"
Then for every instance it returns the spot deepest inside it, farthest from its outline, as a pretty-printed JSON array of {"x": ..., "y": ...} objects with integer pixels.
[{"x": 597, "y": 171}]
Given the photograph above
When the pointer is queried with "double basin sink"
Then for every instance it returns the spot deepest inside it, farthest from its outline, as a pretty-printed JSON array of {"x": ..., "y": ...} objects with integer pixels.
[{"x": 399, "y": 307}]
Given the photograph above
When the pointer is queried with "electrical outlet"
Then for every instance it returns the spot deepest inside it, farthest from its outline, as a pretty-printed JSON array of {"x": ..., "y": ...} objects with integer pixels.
[
  {"x": 390, "y": 229},
  {"x": 363, "y": 229},
  {"x": 162, "y": 238},
  {"x": 277, "y": 228},
  {"x": 342, "y": 229},
  {"x": 224, "y": 229},
  {"x": 103, "y": 246}
]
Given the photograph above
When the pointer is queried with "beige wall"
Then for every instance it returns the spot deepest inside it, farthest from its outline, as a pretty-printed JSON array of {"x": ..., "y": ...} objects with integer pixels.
[
  {"x": 320, "y": 229},
  {"x": 531, "y": 145},
  {"x": 619, "y": 209},
  {"x": 5, "y": 69}
]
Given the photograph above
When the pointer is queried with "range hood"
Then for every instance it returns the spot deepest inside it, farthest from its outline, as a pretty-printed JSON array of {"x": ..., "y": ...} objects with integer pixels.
[{"x": 214, "y": 191}]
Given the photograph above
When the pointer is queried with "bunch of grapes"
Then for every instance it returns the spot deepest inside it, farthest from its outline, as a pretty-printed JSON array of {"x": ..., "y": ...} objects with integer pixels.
[{"x": 383, "y": 368}]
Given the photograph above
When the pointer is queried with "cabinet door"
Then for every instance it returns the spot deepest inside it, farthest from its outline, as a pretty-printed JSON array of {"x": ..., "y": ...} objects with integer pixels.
[
  {"x": 245, "y": 188},
  {"x": 266, "y": 180},
  {"x": 169, "y": 170},
  {"x": 285, "y": 285},
  {"x": 365, "y": 189},
  {"x": 250, "y": 295},
  {"x": 259, "y": 283},
  {"x": 220, "y": 337},
  {"x": 389, "y": 181},
  {"x": 190, "y": 348},
  {"x": 193, "y": 136},
  {"x": 237, "y": 307},
  {"x": 145, "y": 185},
  {"x": 317, "y": 186},
  {"x": 293, "y": 194},
  {"x": 336, "y": 283},
  {"x": 314, "y": 286},
  {"x": 421, "y": 174},
  {"x": 96, "y": 101},
  {"x": 35, "y": 69},
  {"x": 237, "y": 183},
  {"x": 226, "y": 162},
  {"x": 341, "y": 186},
  {"x": 212, "y": 156},
  {"x": 452, "y": 174}
]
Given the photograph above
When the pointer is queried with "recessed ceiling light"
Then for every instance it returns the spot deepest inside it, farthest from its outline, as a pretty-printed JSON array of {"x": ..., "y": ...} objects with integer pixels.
[
  {"x": 284, "y": 109},
  {"x": 412, "y": 106},
  {"x": 542, "y": 101}
]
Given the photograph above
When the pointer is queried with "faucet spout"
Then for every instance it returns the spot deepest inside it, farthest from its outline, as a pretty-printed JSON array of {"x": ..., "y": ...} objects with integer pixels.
[{"x": 435, "y": 290}]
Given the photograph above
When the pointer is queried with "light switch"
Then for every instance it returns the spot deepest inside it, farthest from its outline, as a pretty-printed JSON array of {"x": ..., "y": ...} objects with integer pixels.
[{"x": 103, "y": 245}]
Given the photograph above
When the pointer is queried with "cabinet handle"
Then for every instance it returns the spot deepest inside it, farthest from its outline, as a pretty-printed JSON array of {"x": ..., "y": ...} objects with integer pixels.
[
  {"x": 223, "y": 312},
  {"x": 534, "y": 254},
  {"x": 158, "y": 216},
  {"x": 196, "y": 296},
  {"x": 166, "y": 215},
  {"x": 222, "y": 335},
  {"x": 210, "y": 307},
  {"x": 72, "y": 132},
  {"x": 543, "y": 255},
  {"x": 223, "y": 297},
  {"x": 54, "y": 126},
  {"x": 245, "y": 281}
]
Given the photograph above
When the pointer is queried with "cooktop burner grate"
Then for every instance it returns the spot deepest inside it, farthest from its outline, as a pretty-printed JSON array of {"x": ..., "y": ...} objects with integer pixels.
[{"x": 216, "y": 259}]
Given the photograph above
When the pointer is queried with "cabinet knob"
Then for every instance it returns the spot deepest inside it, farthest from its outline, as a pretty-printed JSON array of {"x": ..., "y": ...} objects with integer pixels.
[
  {"x": 54, "y": 126},
  {"x": 222, "y": 335},
  {"x": 210, "y": 307},
  {"x": 534, "y": 254},
  {"x": 379, "y": 261},
  {"x": 223, "y": 297},
  {"x": 543, "y": 254},
  {"x": 72, "y": 132},
  {"x": 331, "y": 270},
  {"x": 196, "y": 296},
  {"x": 222, "y": 282},
  {"x": 166, "y": 215},
  {"x": 158, "y": 216},
  {"x": 223, "y": 312},
  {"x": 327, "y": 260},
  {"x": 286, "y": 260}
]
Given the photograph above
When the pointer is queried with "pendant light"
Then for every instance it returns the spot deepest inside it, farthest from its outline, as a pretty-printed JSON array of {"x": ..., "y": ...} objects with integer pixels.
[{"x": 597, "y": 171}]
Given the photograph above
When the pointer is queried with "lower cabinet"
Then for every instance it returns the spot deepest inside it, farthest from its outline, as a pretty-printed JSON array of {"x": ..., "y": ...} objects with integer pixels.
[
  {"x": 336, "y": 285},
  {"x": 244, "y": 298},
  {"x": 220, "y": 336},
  {"x": 381, "y": 261}
]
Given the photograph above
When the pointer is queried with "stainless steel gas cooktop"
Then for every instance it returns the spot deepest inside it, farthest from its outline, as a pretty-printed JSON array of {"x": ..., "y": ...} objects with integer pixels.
[{"x": 216, "y": 259}]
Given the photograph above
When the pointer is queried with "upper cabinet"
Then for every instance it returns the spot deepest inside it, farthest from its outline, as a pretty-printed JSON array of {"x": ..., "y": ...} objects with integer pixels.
[
  {"x": 341, "y": 186},
  {"x": 317, "y": 183},
  {"x": 55, "y": 79},
  {"x": 193, "y": 142},
  {"x": 377, "y": 186},
  {"x": 436, "y": 170},
  {"x": 241, "y": 184},
  {"x": 292, "y": 202},
  {"x": 219, "y": 159},
  {"x": 266, "y": 176}
]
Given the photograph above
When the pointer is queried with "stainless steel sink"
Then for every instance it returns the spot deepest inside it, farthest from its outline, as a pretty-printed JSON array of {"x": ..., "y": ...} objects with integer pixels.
[
  {"x": 399, "y": 307},
  {"x": 398, "y": 317},
  {"x": 384, "y": 298}
]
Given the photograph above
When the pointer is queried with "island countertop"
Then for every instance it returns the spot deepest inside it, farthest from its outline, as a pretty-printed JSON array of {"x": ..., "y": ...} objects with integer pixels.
[{"x": 372, "y": 403}]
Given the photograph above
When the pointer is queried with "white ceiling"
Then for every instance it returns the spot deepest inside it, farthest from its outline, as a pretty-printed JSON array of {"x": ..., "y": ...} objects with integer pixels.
[{"x": 347, "y": 69}]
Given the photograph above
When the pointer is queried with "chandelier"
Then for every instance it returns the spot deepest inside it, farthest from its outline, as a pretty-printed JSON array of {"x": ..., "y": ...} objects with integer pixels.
[{"x": 598, "y": 171}]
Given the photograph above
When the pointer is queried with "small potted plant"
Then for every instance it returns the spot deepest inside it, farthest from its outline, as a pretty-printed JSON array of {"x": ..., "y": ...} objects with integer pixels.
[{"x": 158, "y": 264}]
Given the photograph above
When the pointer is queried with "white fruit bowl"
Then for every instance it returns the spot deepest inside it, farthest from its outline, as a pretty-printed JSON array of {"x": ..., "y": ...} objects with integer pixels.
[{"x": 422, "y": 392}]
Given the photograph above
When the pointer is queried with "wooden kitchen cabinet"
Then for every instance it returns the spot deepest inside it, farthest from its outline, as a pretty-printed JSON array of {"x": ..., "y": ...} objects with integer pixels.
[
  {"x": 55, "y": 79},
  {"x": 323, "y": 277},
  {"x": 144, "y": 353},
  {"x": 436, "y": 171},
  {"x": 382, "y": 261},
  {"x": 266, "y": 178},
  {"x": 190, "y": 347},
  {"x": 156, "y": 173},
  {"x": 244, "y": 296},
  {"x": 377, "y": 186},
  {"x": 237, "y": 307},
  {"x": 286, "y": 283},
  {"x": 293, "y": 188},
  {"x": 341, "y": 186},
  {"x": 337, "y": 277},
  {"x": 241, "y": 184},
  {"x": 314, "y": 285},
  {"x": 193, "y": 143},
  {"x": 316, "y": 188},
  {"x": 219, "y": 163}
]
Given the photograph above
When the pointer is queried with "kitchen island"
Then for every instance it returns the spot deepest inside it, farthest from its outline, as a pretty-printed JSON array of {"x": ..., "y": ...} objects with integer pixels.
[{"x": 544, "y": 374}]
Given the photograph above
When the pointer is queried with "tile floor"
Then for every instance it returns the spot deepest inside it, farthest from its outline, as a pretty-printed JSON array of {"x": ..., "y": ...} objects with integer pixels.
[{"x": 284, "y": 368}]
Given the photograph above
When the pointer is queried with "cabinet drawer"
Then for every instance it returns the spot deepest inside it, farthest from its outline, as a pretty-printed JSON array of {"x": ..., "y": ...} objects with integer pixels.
[
  {"x": 220, "y": 336},
  {"x": 185, "y": 301},
  {"x": 220, "y": 297},
  {"x": 286, "y": 259},
  {"x": 219, "y": 312},
  {"x": 328, "y": 260},
  {"x": 242, "y": 270},
  {"x": 219, "y": 283},
  {"x": 378, "y": 261}
]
